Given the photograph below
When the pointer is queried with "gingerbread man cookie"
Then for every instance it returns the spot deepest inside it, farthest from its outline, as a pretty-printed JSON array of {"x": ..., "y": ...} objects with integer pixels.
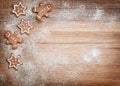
[
  {"x": 42, "y": 10},
  {"x": 13, "y": 39},
  {"x": 14, "y": 61},
  {"x": 25, "y": 26},
  {"x": 19, "y": 9}
]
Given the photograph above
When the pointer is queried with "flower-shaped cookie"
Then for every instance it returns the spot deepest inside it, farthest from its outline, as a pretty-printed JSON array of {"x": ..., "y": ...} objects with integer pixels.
[
  {"x": 14, "y": 61},
  {"x": 25, "y": 26},
  {"x": 19, "y": 9}
]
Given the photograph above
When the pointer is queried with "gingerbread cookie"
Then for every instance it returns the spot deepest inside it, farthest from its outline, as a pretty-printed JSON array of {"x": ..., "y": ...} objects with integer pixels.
[
  {"x": 13, "y": 39},
  {"x": 19, "y": 9},
  {"x": 42, "y": 10},
  {"x": 25, "y": 26},
  {"x": 14, "y": 61}
]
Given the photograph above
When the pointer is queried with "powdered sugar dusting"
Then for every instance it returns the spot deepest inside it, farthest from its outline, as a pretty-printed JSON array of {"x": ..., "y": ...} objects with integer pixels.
[
  {"x": 71, "y": 14},
  {"x": 93, "y": 56},
  {"x": 98, "y": 14},
  {"x": 39, "y": 59}
]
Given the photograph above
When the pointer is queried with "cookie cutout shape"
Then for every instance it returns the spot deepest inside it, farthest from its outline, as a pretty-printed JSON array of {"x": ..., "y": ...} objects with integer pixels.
[
  {"x": 19, "y": 9},
  {"x": 42, "y": 10},
  {"x": 25, "y": 26},
  {"x": 14, "y": 61},
  {"x": 13, "y": 39}
]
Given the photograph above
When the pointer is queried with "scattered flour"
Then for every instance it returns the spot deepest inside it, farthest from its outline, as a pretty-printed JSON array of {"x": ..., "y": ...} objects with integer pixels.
[
  {"x": 69, "y": 15},
  {"x": 98, "y": 14},
  {"x": 72, "y": 74},
  {"x": 2, "y": 76},
  {"x": 92, "y": 56},
  {"x": 45, "y": 60}
]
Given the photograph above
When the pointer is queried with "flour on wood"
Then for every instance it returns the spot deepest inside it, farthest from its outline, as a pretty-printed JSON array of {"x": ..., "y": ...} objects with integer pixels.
[{"x": 38, "y": 62}]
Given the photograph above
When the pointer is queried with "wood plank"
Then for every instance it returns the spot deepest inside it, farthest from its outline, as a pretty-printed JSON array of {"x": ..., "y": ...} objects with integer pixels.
[
  {"x": 84, "y": 9},
  {"x": 79, "y": 37},
  {"x": 78, "y": 26},
  {"x": 93, "y": 62},
  {"x": 78, "y": 45}
]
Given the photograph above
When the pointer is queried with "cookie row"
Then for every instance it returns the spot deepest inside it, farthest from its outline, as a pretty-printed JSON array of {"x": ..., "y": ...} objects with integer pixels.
[
  {"x": 42, "y": 10},
  {"x": 25, "y": 28}
]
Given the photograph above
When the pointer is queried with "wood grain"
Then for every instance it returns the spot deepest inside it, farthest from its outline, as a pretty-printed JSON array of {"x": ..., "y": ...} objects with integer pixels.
[{"x": 79, "y": 50}]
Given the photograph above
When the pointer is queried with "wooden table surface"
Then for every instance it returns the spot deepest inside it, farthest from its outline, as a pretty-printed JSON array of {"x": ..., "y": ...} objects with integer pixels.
[{"x": 78, "y": 45}]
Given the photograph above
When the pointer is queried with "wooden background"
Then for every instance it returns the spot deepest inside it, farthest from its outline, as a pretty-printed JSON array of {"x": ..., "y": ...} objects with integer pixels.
[{"x": 92, "y": 45}]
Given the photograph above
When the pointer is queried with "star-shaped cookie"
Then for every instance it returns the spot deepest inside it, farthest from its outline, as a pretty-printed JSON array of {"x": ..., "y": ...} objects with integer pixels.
[
  {"x": 19, "y": 9},
  {"x": 14, "y": 61},
  {"x": 25, "y": 26}
]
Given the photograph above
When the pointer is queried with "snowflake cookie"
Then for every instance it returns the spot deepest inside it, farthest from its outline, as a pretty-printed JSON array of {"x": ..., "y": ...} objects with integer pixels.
[
  {"x": 14, "y": 61},
  {"x": 19, "y": 9},
  {"x": 25, "y": 26}
]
